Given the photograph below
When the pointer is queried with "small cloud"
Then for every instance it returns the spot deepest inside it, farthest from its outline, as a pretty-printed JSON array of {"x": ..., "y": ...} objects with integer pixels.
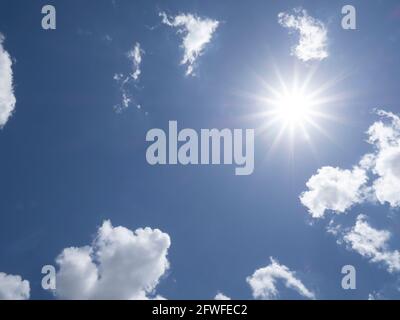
[
  {"x": 313, "y": 37},
  {"x": 221, "y": 296},
  {"x": 338, "y": 190},
  {"x": 127, "y": 83},
  {"x": 13, "y": 287},
  {"x": 107, "y": 38},
  {"x": 135, "y": 55},
  {"x": 119, "y": 264},
  {"x": 372, "y": 243},
  {"x": 263, "y": 281},
  {"x": 7, "y": 97},
  {"x": 384, "y": 135},
  {"x": 197, "y": 33},
  {"x": 375, "y": 296},
  {"x": 333, "y": 189}
]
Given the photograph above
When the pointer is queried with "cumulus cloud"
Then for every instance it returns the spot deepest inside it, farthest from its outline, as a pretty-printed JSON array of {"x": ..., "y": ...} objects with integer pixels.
[
  {"x": 375, "y": 178},
  {"x": 221, "y": 296},
  {"x": 119, "y": 264},
  {"x": 333, "y": 189},
  {"x": 384, "y": 135},
  {"x": 372, "y": 244},
  {"x": 13, "y": 287},
  {"x": 313, "y": 36},
  {"x": 7, "y": 97},
  {"x": 263, "y": 281},
  {"x": 197, "y": 33}
]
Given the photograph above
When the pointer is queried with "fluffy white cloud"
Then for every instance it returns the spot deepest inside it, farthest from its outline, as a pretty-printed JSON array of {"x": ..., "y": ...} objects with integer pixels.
[
  {"x": 7, "y": 98},
  {"x": 372, "y": 243},
  {"x": 334, "y": 189},
  {"x": 263, "y": 281},
  {"x": 385, "y": 162},
  {"x": 13, "y": 287},
  {"x": 197, "y": 32},
  {"x": 312, "y": 32},
  {"x": 376, "y": 178},
  {"x": 221, "y": 296},
  {"x": 120, "y": 264},
  {"x": 337, "y": 190}
]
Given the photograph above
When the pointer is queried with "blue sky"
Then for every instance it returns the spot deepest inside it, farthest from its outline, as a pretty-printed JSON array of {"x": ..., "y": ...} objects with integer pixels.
[{"x": 69, "y": 161}]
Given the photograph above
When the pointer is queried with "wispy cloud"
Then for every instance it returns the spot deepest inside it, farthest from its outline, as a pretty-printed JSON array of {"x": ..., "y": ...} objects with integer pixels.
[
  {"x": 369, "y": 242},
  {"x": 313, "y": 35},
  {"x": 373, "y": 244},
  {"x": 263, "y": 281},
  {"x": 125, "y": 81},
  {"x": 7, "y": 97},
  {"x": 135, "y": 55},
  {"x": 197, "y": 33}
]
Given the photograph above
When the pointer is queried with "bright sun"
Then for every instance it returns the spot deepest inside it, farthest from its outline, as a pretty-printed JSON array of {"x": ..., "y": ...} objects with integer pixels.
[
  {"x": 293, "y": 108},
  {"x": 296, "y": 108}
]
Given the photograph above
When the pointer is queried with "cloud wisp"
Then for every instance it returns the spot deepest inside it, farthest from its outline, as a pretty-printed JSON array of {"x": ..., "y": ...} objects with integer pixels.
[
  {"x": 372, "y": 244},
  {"x": 263, "y": 281},
  {"x": 135, "y": 56}
]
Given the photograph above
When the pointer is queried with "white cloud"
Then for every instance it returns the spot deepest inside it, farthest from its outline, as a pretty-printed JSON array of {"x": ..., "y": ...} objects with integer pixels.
[
  {"x": 221, "y": 296},
  {"x": 197, "y": 33},
  {"x": 333, "y": 189},
  {"x": 312, "y": 32},
  {"x": 375, "y": 296},
  {"x": 7, "y": 98},
  {"x": 372, "y": 243},
  {"x": 120, "y": 264},
  {"x": 263, "y": 281},
  {"x": 385, "y": 162},
  {"x": 135, "y": 55},
  {"x": 337, "y": 189},
  {"x": 13, "y": 287}
]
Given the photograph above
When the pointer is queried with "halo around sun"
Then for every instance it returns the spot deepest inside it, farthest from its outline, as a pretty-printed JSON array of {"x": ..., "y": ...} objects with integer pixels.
[{"x": 296, "y": 107}]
